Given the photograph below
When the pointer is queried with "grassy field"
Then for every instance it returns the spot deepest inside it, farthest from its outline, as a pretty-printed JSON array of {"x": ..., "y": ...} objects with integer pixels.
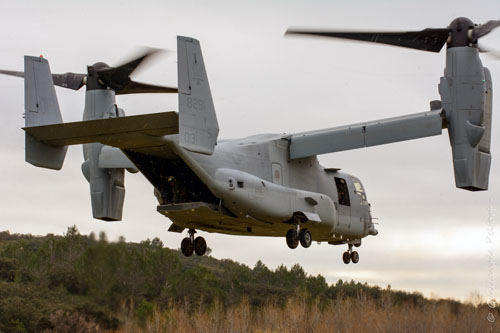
[
  {"x": 297, "y": 315},
  {"x": 79, "y": 283}
]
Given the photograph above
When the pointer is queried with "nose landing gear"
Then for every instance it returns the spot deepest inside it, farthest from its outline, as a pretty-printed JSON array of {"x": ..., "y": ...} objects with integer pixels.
[
  {"x": 190, "y": 244},
  {"x": 350, "y": 255}
]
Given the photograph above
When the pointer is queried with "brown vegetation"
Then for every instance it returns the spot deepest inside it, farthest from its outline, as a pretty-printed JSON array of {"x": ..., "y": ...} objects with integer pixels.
[
  {"x": 343, "y": 315},
  {"x": 78, "y": 283}
]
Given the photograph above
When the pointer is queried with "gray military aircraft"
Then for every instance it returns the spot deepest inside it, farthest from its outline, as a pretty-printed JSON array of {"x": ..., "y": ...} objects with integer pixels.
[{"x": 263, "y": 185}]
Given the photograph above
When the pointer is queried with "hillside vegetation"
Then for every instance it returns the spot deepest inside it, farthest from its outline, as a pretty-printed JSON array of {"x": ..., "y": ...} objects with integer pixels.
[{"x": 82, "y": 283}]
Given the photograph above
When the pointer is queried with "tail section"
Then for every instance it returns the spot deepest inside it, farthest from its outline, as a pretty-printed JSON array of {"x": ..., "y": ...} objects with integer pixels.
[
  {"x": 41, "y": 108},
  {"x": 198, "y": 127}
]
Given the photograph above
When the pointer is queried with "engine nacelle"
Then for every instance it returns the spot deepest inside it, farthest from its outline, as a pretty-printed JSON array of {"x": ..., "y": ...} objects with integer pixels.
[
  {"x": 107, "y": 185},
  {"x": 466, "y": 95}
]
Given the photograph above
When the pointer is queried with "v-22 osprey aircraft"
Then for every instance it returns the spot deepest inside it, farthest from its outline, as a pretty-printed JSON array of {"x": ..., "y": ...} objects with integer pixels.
[{"x": 263, "y": 185}]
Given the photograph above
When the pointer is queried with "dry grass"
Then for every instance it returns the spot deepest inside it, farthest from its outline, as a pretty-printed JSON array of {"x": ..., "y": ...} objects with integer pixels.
[{"x": 345, "y": 315}]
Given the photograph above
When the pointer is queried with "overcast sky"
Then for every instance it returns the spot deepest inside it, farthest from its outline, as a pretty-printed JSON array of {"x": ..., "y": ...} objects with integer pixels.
[{"x": 432, "y": 236}]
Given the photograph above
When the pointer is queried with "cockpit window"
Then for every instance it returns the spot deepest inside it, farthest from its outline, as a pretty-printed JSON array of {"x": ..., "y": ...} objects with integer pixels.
[
  {"x": 343, "y": 191},
  {"x": 359, "y": 190}
]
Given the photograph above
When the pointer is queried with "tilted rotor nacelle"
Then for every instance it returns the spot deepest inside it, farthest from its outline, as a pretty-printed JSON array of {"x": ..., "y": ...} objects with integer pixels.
[
  {"x": 465, "y": 89},
  {"x": 466, "y": 95},
  {"x": 103, "y": 166}
]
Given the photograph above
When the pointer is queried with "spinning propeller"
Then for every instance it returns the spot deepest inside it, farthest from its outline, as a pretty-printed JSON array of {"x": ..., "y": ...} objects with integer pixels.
[
  {"x": 101, "y": 76},
  {"x": 460, "y": 32}
]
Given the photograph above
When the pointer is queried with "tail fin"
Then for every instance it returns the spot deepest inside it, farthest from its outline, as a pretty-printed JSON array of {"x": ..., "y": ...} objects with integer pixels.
[
  {"x": 198, "y": 127},
  {"x": 41, "y": 108}
]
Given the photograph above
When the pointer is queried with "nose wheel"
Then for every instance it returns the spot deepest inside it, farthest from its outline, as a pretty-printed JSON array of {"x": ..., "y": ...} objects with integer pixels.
[
  {"x": 350, "y": 255},
  {"x": 190, "y": 245}
]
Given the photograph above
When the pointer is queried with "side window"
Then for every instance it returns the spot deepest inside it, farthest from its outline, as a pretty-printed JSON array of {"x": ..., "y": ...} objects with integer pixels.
[{"x": 343, "y": 191}]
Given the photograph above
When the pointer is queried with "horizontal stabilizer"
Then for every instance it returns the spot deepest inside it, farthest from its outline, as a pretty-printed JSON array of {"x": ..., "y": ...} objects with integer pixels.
[{"x": 124, "y": 132}]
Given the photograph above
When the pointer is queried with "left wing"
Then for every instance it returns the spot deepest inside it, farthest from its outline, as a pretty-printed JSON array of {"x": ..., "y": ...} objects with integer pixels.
[{"x": 372, "y": 133}]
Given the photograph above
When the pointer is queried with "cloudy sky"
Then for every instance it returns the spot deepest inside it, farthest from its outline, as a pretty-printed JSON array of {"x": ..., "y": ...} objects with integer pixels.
[{"x": 433, "y": 237}]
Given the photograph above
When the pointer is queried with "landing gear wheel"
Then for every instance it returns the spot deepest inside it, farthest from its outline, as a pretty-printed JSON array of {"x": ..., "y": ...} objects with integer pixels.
[
  {"x": 200, "y": 246},
  {"x": 187, "y": 247},
  {"x": 291, "y": 239},
  {"x": 346, "y": 257},
  {"x": 305, "y": 238},
  {"x": 354, "y": 257}
]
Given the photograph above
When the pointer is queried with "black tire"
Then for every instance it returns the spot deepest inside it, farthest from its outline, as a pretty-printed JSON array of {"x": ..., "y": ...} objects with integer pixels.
[
  {"x": 291, "y": 239},
  {"x": 346, "y": 257},
  {"x": 305, "y": 238},
  {"x": 200, "y": 246},
  {"x": 187, "y": 247},
  {"x": 183, "y": 245},
  {"x": 354, "y": 257}
]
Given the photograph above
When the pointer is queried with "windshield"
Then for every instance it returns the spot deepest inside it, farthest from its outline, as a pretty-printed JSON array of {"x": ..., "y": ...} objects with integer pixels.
[{"x": 359, "y": 190}]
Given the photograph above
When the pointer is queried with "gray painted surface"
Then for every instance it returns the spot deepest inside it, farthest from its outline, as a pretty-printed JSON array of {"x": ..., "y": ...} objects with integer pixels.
[
  {"x": 198, "y": 127},
  {"x": 107, "y": 186},
  {"x": 366, "y": 134},
  {"x": 466, "y": 90},
  {"x": 111, "y": 158},
  {"x": 42, "y": 108}
]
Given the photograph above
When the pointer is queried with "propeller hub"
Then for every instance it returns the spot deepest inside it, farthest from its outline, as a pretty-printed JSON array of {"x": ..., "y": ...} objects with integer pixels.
[
  {"x": 460, "y": 35},
  {"x": 93, "y": 80},
  {"x": 99, "y": 66}
]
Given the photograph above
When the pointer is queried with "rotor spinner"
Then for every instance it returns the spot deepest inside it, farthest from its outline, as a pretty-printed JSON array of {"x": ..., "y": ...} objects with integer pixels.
[
  {"x": 92, "y": 80},
  {"x": 461, "y": 33}
]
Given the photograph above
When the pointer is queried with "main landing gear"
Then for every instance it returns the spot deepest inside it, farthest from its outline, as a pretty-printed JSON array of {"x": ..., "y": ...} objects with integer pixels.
[
  {"x": 296, "y": 235},
  {"x": 350, "y": 255},
  {"x": 190, "y": 244}
]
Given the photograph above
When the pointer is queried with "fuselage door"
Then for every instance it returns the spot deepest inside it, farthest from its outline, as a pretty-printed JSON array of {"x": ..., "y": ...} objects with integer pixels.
[
  {"x": 344, "y": 203},
  {"x": 277, "y": 173}
]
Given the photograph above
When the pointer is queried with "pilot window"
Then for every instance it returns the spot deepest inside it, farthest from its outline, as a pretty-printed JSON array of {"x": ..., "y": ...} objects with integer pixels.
[
  {"x": 359, "y": 190},
  {"x": 343, "y": 191}
]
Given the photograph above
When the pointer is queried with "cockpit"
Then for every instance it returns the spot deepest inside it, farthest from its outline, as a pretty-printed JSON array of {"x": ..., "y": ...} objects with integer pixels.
[{"x": 359, "y": 190}]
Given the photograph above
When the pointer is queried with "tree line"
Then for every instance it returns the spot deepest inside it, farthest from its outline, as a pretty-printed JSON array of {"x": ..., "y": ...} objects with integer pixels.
[{"x": 90, "y": 276}]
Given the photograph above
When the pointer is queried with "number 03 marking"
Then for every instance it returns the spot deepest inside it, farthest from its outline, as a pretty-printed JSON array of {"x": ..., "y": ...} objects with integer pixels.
[{"x": 189, "y": 138}]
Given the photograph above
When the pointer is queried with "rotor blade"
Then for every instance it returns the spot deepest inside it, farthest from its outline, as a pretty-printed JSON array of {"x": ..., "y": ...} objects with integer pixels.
[
  {"x": 426, "y": 40},
  {"x": 493, "y": 53},
  {"x": 121, "y": 74},
  {"x": 484, "y": 29},
  {"x": 12, "y": 73},
  {"x": 69, "y": 80},
  {"x": 142, "y": 88},
  {"x": 118, "y": 78}
]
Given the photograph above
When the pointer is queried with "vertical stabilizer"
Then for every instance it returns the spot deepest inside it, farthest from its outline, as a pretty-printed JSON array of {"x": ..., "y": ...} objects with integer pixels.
[
  {"x": 41, "y": 108},
  {"x": 198, "y": 127}
]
